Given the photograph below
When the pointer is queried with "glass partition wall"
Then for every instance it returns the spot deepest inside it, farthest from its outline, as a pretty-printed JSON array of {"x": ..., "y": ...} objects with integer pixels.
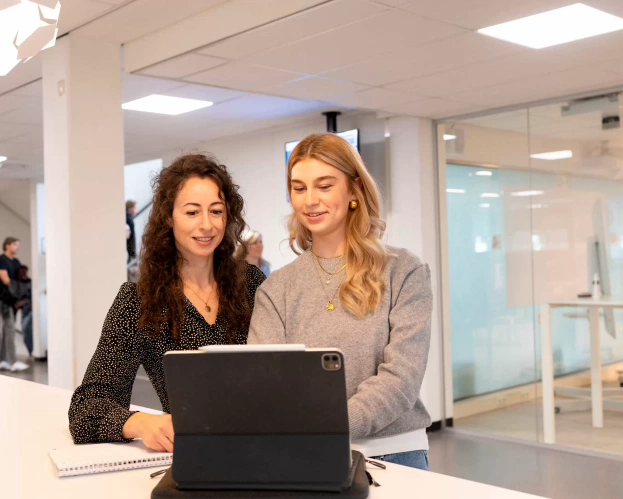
[{"x": 533, "y": 214}]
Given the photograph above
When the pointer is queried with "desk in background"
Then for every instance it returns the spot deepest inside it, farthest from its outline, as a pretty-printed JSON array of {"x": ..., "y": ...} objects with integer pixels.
[{"x": 547, "y": 360}]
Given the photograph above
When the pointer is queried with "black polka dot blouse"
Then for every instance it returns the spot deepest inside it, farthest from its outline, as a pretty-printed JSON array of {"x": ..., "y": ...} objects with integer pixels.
[{"x": 100, "y": 405}]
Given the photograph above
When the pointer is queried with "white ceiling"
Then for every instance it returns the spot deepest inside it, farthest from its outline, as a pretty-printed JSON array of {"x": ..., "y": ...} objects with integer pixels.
[
  {"x": 421, "y": 58},
  {"x": 413, "y": 57}
]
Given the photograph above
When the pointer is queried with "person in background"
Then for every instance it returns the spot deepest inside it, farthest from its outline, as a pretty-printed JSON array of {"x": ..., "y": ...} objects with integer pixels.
[
  {"x": 348, "y": 290},
  {"x": 24, "y": 303},
  {"x": 255, "y": 247},
  {"x": 191, "y": 292},
  {"x": 130, "y": 212},
  {"x": 9, "y": 271}
]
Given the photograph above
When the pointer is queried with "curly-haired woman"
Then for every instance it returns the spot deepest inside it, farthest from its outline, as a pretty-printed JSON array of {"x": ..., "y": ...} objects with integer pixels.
[{"x": 191, "y": 292}]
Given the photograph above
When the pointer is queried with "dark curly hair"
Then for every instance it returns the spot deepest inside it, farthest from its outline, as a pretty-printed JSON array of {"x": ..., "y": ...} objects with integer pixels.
[{"x": 160, "y": 285}]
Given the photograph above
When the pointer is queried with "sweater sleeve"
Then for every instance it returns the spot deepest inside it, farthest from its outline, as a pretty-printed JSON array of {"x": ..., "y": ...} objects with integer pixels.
[
  {"x": 268, "y": 320},
  {"x": 100, "y": 405},
  {"x": 394, "y": 390}
]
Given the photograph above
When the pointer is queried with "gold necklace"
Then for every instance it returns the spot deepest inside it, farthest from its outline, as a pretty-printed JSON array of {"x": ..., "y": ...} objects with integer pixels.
[
  {"x": 330, "y": 306},
  {"x": 208, "y": 309},
  {"x": 329, "y": 274}
]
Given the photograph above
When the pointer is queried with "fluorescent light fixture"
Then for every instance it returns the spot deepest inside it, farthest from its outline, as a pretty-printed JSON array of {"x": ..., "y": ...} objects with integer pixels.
[
  {"x": 553, "y": 155},
  {"x": 484, "y": 173},
  {"x": 484, "y": 205},
  {"x": 448, "y": 136},
  {"x": 489, "y": 195},
  {"x": 456, "y": 191},
  {"x": 165, "y": 104},
  {"x": 3, "y": 158},
  {"x": 521, "y": 194},
  {"x": 554, "y": 27}
]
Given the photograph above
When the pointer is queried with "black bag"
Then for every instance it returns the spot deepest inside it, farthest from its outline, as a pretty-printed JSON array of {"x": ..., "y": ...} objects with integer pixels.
[{"x": 10, "y": 294}]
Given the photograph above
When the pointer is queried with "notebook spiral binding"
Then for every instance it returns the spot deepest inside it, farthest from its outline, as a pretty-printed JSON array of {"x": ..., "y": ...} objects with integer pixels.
[{"x": 85, "y": 469}]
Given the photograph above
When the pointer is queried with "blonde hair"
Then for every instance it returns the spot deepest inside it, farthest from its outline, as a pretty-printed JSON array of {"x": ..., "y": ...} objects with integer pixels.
[{"x": 365, "y": 254}]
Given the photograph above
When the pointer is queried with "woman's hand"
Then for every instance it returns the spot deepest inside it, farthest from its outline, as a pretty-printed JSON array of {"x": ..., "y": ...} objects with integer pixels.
[{"x": 155, "y": 431}]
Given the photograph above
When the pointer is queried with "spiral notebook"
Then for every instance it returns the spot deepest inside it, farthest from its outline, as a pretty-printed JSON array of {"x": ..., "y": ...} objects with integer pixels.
[{"x": 85, "y": 459}]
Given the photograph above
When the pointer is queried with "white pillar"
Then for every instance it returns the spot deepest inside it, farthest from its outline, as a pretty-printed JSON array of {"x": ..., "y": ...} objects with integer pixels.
[
  {"x": 83, "y": 165},
  {"x": 38, "y": 269},
  {"x": 412, "y": 224}
]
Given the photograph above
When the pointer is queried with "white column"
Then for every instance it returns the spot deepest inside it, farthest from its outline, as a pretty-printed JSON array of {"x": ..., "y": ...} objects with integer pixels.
[
  {"x": 446, "y": 334},
  {"x": 83, "y": 165},
  {"x": 412, "y": 224},
  {"x": 37, "y": 271}
]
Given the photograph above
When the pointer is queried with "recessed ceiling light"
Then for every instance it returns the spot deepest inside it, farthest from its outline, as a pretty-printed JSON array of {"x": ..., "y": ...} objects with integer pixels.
[
  {"x": 448, "y": 136},
  {"x": 552, "y": 156},
  {"x": 521, "y": 194},
  {"x": 165, "y": 104},
  {"x": 484, "y": 205},
  {"x": 557, "y": 26},
  {"x": 3, "y": 158},
  {"x": 489, "y": 195},
  {"x": 484, "y": 173},
  {"x": 456, "y": 191}
]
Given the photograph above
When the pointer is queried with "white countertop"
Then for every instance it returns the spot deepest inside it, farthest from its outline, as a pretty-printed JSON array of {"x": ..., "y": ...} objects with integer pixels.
[{"x": 33, "y": 420}]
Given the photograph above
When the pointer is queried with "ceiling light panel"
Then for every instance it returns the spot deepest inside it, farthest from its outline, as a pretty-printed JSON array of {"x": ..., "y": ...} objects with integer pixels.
[{"x": 555, "y": 27}]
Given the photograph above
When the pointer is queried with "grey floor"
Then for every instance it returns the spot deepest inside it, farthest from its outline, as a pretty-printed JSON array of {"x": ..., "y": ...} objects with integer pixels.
[
  {"x": 526, "y": 468},
  {"x": 574, "y": 428}
]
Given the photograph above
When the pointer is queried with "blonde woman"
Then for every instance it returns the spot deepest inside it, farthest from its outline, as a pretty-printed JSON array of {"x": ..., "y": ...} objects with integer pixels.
[{"x": 348, "y": 290}]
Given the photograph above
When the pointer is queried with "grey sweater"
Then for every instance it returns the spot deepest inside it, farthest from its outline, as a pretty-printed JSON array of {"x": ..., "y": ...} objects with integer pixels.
[{"x": 385, "y": 353}]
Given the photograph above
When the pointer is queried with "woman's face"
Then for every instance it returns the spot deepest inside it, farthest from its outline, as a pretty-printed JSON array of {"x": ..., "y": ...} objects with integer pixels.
[
  {"x": 199, "y": 218},
  {"x": 256, "y": 248},
  {"x": 320, "y": 196}
]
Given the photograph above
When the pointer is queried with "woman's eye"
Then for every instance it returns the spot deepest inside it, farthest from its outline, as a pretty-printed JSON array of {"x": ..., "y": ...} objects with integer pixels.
[
  {"x": 299, "y": 189},
  {"x": 325, "y": 187},
  {"x": 217, "y": 212},
  {"x": 192, "y": 213}
]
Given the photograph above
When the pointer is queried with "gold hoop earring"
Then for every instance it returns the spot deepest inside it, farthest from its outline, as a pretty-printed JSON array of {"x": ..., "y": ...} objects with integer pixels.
[{"x": 353, "y": 205}]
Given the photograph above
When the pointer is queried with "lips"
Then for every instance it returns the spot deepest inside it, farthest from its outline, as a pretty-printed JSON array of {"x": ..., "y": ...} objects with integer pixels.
[
  {"x": 204, "y": 241},
  {"x": 314, "y": 217}
]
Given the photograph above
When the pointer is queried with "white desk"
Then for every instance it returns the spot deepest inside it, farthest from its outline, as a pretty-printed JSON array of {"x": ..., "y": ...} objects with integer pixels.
[
  {"x": 547, "y": 360},
  {"x": 33, "y": 419}
]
